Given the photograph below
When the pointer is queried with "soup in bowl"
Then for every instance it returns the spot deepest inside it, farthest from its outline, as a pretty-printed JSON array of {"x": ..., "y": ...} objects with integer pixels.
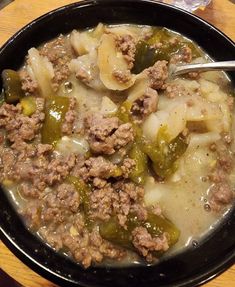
[{"x": 109, "y": 159}]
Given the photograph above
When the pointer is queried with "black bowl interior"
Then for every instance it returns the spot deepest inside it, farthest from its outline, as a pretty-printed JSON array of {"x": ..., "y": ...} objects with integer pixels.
[{"x": 189, "y": 268}]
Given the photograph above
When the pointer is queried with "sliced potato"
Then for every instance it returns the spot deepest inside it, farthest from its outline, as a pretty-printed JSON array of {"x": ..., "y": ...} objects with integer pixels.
[{"x": 111, "y": 61}]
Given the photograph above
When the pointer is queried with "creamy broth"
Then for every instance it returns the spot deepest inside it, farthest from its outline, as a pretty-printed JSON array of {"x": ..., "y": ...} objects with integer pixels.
[{"x": 106, "y": 157}]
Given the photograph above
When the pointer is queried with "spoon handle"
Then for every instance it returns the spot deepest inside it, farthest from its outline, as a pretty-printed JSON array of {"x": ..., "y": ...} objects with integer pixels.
[{"x": 214, "y": 66}]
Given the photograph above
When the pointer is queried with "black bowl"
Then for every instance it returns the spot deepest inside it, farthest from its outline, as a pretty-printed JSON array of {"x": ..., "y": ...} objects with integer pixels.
[{"x": 190, "y": 268}]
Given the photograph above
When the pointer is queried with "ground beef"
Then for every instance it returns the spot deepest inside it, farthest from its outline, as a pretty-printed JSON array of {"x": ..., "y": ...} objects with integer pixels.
[
  {"x": 96, "y": 167},
  {"x": 68, "y": 196},
  {"x": 59, "y": 53},
  {"x": 29, "y": 86},
  {"x": 230, "y": 101},
  {"x": 125, "y": 199},
  {"x": 217, "y": 176},
  {"x": 145, "y": 105},
  {"x": 118, "y": 198},
  {"x": 24, "y": 150},
  {"x": 24, "y": 170},
  {"x": 90, "y": 247},
  {"x": 145, "y": 243},
  {"x": 183, "y": 56},
  {"x": 127, "y": 167},
  {"x": 225, "y": 160},
  {"x": 84, "y": 75},
  {"x": 43, "y": 149},
  {"x": 18, "y": 126},
  {"x": 58, "y": 169},
  {"x": 32, "y": 214},
  {"x": 106, "y": 135},
  {"x": 60, "y": 203},
  {"x": 101, "y": 202},
  {"x": 175, "y": 90},
  {"x": 20, "y": 160},
  {"x": 70, "y": 117},
  {"x": 121, "y": 76},
  {"x": 221, "y": 194},
  {"x": 7, "y": 161},
  {"x": 158, "y": 74},
  {"x": 135, "y": 192},
  {"x": 35, "y": 164},
  {"x": 27, "y": 190},
  {"x": 127, "y": 45},
  {"x": 140, "y": 211}
]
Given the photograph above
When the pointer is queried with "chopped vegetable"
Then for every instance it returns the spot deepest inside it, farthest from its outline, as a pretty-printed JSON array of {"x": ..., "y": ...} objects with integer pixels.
[
  {"x": 83, "y": 190},
  {"x": 56, "y": 108},
  {"x": 124, "y": 112},
  {"x": 145, "y": 57},
  {"x": 124, "y": 115},
  {"x": 160, "y": 35},
  {"x": 12, "y": 86},
  {"x": 117, "y": 172},
  {"x": 164, "y": 154},
  {"x": 147, "y": 53},
  {"x": 140, "y": 170},
  {"x": 28, "y": 105},
  {"x": 156, "y": 226}
]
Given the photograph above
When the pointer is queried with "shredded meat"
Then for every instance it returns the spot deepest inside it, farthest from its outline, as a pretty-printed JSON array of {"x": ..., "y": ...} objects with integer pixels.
[{"x": 106, "y": 135}]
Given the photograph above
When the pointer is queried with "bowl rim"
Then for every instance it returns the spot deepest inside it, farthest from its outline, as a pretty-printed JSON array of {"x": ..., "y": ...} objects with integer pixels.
[{"x": 29, "y": 260}]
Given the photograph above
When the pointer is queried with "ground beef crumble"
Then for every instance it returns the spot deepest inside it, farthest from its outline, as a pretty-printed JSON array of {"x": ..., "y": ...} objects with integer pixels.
[
  {"x": 145, "y": 105},
  {"x": 121, "y": 76},
  {"x": 18, "y": 126},
  {"x": 59, "y": 53},
  {"x": 127, "y": 45},
  {"x": 106, "y": 135},
  {"x": 158, "y": 75},
  {"x": 145, "y": 243},
  {"x": 184, "y": 56},
  {"x": 221, "y": 193},
  {"x": 70, "y": 117},
  {"x": 29, "y": 86}
]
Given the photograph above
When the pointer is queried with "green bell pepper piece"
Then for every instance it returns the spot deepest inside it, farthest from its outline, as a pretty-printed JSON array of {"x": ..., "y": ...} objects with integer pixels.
[
  {"x": 156, "y": 226},
  {"x": 12, "y": 86},
  {"x": 164, "y": 154},
  {"x": 55, "y": 110}
]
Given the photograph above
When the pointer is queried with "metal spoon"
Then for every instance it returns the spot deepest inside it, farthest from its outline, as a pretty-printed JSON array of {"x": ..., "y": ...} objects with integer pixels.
[{"x": 214, "y": 66}]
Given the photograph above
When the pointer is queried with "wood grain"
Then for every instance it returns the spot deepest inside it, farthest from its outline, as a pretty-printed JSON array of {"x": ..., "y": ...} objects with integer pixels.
[{"x": 221, "y": 13}]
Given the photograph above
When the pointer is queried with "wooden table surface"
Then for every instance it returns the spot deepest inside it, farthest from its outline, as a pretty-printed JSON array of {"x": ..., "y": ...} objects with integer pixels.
[{"x": 221, "y": 13}]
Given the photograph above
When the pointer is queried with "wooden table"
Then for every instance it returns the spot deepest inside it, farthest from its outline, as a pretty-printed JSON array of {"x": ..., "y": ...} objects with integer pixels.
[{"x": 221, "y": 13}]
